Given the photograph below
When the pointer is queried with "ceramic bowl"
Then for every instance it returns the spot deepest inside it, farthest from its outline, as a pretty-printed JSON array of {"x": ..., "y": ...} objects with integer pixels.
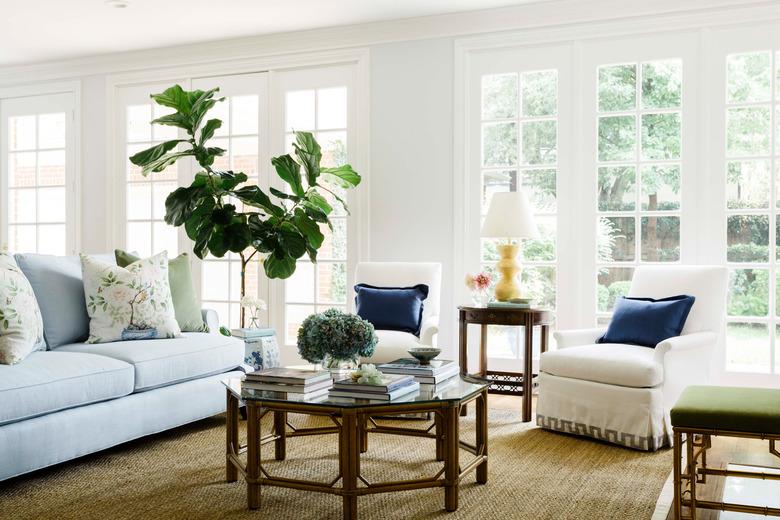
[{"x": 424, "y": 354}]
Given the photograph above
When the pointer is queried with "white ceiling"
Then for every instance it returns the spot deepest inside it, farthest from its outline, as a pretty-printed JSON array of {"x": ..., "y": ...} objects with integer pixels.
[{"x": 47, "y": 30}]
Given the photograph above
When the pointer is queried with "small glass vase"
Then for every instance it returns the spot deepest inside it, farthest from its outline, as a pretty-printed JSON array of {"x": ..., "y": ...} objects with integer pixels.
[
  {"x": 339, "y": 368},
  {"x": 480, "y": 298}
]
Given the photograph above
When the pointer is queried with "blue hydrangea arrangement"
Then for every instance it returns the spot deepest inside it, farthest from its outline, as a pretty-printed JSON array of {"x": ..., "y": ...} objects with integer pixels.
[{"x": 335, "y": 335}]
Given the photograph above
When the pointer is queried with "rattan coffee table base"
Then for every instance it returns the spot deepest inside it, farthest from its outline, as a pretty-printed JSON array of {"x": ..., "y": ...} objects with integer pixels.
[{"x": 353, "y": 426}]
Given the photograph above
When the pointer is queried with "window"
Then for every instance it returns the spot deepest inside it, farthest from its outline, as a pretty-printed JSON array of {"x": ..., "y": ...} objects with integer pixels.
[
  {"x": 37, "y": 174},
  {"x": 519, "y": 151},
  {"x": 243, "y": 130},
  {"x": 639, "y": 170},
  {"x": 320, "y": 286},
  {"x": 752, "y": 148},
  {"x": 144, "y": 230}
]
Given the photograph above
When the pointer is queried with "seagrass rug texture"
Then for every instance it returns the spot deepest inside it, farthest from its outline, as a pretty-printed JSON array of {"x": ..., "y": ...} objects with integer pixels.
[{"x": 180, "y": 475}]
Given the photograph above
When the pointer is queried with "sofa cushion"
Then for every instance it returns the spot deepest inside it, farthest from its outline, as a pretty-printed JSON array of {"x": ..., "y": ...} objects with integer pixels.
[
  {"x": 391, "y": 308},
  {"x": 162, "y": 362},
  {"x": 49, "y": 381},
  {"x": 129, "y": 303},
  {"x": 21, "y": 328},
  {"x": 613, "y": 364},
  {"x": 646, "y": 321},
  {"x": 185, "y": 299},
  {"x": 56, "y": 281}
]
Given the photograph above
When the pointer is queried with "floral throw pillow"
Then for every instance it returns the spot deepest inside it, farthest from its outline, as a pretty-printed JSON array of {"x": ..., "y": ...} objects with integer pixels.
[
  {"x": 127, "y": 303},
  {"x": 21, "y": 326}
]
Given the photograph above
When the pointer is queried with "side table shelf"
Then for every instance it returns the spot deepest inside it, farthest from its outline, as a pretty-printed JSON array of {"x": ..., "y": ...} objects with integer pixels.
[{"x": 503, "y": 382}]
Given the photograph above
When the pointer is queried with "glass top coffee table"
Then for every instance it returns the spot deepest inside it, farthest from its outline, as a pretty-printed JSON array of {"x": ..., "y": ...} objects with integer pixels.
[{"x": 353, "y": 420}]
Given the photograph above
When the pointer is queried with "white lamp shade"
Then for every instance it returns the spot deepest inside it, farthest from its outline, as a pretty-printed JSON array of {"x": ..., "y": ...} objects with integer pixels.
[{"x": 509, "y": 216}]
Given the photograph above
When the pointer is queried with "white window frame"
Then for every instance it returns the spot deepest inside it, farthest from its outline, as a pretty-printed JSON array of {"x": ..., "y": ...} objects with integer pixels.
[
  {"x": 357, "y": 223},
  {"x": 636, "y": 50},
  {"x": 51, "y": 95},
  {"x": 724, "y": 43},
  {"x": 468, "y": 208},
  {"x": 126, "y": 96}
]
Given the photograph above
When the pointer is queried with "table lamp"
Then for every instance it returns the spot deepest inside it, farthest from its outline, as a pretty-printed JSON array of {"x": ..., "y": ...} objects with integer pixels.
[{"x": 509, "y": 217}]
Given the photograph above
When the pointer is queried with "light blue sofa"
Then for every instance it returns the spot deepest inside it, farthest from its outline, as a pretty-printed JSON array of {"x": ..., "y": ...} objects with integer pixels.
[{"x": 76, "y": 398}]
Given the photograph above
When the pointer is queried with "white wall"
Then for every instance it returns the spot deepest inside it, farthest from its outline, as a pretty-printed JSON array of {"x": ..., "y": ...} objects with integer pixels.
[
  {"x": 95, "y": 219},
  {"x": 411, "y": 161}
]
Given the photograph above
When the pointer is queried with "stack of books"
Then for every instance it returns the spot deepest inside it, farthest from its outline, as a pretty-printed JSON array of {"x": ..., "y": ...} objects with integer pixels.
[
  {"x": 309, "y": 383},
  {"x": 252, "y": 334},
  {"x": 438, "y": 371},
  {"x": 392, "y": 387}
]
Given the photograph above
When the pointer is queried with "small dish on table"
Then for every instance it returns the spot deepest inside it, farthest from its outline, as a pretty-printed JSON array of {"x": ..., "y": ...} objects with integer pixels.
[{"x": 424, "y": 354}]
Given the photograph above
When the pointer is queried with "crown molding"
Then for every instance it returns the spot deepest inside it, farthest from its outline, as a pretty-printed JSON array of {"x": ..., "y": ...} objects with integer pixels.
[{"x": 546, "y": 16}]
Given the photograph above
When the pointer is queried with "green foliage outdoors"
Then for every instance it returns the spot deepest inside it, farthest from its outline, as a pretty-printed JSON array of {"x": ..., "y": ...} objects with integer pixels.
[{"x": 283, "y": 225}]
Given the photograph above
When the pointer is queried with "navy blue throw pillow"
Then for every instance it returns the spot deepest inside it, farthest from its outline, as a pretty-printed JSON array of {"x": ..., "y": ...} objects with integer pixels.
[
  {"x": 391, "y": 308},
  {"x": 647, "y": 322}
]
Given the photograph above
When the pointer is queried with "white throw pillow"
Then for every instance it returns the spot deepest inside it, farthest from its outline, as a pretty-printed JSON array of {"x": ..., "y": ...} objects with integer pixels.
[
  {"x": 21, "y": 326},
  {"x": 126, "y": 303}
]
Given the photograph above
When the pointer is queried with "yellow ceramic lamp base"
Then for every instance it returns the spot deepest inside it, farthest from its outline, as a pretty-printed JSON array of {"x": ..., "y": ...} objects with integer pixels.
[{"x": 507, "y": 287}]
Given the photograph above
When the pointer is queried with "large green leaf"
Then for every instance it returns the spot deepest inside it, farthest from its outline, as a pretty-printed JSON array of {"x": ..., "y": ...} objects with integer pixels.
[
  {"x": 291, "y": 240},
  {"x": 317, "y": 201},
  {"x": 163, "y": 162},
  {"x": 256, "y": 197},
  {"x": 239, "y": 236},
  {"x": 209, "y": 128},
  {"x": 144, "y": 157},
  {"x": 309, "y": 153},
  {"x": 290, "y": 172},
  {"x": 199, "y": 217},
  {"x": 308, "y": 228},
  {"x": 343, "y": 176},
  {"x": 279, "y": 266},
  {"x": 174, "y": 97},
  {"x": 229, "y": 180},
  {"x": 176, "y": 119},
  {"x": 218, "y": 242}
]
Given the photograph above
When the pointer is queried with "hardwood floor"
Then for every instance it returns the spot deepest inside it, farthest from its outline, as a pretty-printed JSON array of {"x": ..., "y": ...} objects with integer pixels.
[{"x": 724, "y": 451}]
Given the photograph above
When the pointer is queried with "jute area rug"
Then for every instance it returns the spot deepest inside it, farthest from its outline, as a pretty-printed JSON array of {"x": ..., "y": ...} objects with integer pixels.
[{"x": 180, "y": 475}]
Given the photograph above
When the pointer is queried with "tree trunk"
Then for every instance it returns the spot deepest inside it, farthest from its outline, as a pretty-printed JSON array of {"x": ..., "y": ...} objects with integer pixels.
[
  {"x": 652, "y": 231},
  {"x": 244, "y": 261}
]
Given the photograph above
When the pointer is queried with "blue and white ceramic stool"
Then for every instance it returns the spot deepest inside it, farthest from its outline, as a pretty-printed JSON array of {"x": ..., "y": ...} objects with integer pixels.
[{"x": 261, "y": 349}]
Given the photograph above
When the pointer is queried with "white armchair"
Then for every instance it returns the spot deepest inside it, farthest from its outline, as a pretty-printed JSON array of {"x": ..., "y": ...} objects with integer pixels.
[
  {"x": 623, "y": 393},
  {"x": 394, "y": 344}
]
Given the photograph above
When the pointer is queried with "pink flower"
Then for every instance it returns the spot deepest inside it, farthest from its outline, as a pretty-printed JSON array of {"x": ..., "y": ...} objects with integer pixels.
[{"x": 482, "y": 281}]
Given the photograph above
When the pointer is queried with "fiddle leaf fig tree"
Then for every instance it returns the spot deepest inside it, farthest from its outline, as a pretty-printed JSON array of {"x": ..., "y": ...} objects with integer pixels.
[{"x": 283, "y": 225}]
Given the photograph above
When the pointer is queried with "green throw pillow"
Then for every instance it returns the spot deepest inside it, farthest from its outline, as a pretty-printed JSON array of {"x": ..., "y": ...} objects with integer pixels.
[{"x": 185, "y": 302}]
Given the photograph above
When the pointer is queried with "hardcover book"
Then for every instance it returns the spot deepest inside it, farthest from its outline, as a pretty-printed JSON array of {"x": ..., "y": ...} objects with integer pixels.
[
  {"x": 411, "y": 366},
  {"x": 395, "y": 394},
  {"x": 289, "y": 375},
  {"x": 390, "y": 382}
]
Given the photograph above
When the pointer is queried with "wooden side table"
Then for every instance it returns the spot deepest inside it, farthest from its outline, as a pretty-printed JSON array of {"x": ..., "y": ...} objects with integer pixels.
[{"x": 520, "y": 383}]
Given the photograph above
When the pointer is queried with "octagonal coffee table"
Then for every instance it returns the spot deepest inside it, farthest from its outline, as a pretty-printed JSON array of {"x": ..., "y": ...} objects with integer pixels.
[{"x": 353, "y": 420}]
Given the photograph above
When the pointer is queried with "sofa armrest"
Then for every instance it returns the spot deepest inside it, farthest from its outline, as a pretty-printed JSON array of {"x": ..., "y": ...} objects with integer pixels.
[
  {"x": 211, "y": 319},
  {"x": 686, "y": 342},
  {"x": 428, "y": 329},
  {"x": 576, "y": 337}
]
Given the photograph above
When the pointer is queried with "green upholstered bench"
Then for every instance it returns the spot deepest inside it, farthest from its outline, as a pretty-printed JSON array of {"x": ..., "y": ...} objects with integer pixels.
[{"x": 705, "y": 411}]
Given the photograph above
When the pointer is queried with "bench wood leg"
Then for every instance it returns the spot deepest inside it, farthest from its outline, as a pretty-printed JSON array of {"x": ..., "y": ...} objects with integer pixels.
[{"x": 677, "y": 477}]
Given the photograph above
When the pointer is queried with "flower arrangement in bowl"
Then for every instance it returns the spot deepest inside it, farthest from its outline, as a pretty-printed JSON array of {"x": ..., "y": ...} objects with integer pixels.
[
  {"x": 254, "y": 306},
  {"x": 335, "y": 338},
  {"x": 479, "y": 284}
]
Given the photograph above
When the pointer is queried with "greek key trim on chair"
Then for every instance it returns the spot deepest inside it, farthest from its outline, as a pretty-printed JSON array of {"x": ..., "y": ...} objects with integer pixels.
[{"x": 630, "y": 440}]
